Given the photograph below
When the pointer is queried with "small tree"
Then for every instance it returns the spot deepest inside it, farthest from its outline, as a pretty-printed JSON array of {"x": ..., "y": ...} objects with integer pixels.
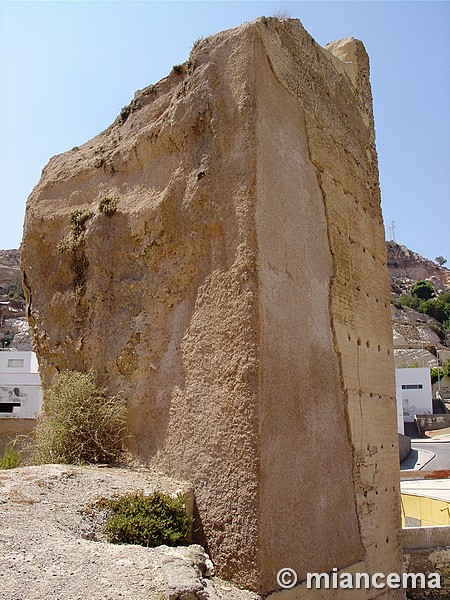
[
  {"x": 436, "y": 308},
  {"x": 422, "y": 289},
  {"x": 440, "y": 260},
  {"x": 79, "y": 423}
]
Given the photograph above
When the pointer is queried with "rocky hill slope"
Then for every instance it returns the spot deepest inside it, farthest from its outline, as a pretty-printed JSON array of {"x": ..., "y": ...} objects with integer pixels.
[
  {"x": 406, "y": 267},
  {"x": 13, "y": 322},
  {"x": 417, "y": 336},
  {"x": 9, "y": 267}
]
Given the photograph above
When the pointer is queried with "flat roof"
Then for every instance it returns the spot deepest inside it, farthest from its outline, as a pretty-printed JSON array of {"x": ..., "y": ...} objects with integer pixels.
[{"x": 439, "y": 489}]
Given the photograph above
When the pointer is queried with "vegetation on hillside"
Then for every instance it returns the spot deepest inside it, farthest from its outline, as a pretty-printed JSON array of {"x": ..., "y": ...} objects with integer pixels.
[
  {"x": 423, "y": 299},
  {"x": 440, "y": 372}
]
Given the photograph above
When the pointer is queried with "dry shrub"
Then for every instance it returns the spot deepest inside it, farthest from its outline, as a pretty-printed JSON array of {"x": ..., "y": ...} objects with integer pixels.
[{"x": 79, "y": 423}]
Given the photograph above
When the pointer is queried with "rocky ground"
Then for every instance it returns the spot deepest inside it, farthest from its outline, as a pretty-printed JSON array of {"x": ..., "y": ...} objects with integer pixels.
[
  {"x": 416, "y": 335},
  {"x": 52, "y": 546}
]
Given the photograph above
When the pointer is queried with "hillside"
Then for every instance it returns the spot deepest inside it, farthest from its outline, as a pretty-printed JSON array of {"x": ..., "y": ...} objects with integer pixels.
[
  {"x": 417, "y": 336},
  {"x": 406, "y": 267},
  {"x": 12, "y": 316},
  {"x": 9, "y": 267}
]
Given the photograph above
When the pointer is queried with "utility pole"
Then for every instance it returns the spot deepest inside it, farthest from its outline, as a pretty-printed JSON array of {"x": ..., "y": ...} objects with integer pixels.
[
  {"x": 438, "y": 371},
  {"x": 392, "y": 230}
]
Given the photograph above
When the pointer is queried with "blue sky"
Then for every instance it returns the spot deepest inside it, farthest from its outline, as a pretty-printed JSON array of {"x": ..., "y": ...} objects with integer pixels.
[{"x": 67, "y": 68}]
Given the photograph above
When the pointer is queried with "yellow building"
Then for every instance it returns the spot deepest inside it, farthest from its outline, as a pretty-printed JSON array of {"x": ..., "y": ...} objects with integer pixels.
[{"x": 425, "y": 502}]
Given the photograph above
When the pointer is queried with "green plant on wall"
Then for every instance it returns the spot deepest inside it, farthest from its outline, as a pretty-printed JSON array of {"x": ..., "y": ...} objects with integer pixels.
[
  {"x": 73, "y": 246},
  {"x": 147, "y": 520},
  {"x": 178, "y": 69},
  {"x": 108, "y": 205}
]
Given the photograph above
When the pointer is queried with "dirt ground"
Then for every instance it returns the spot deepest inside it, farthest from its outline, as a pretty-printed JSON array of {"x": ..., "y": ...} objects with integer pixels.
[{"x": 52, "y": 546}]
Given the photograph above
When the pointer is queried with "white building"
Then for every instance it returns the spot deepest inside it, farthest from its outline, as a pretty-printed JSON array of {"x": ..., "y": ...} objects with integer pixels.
[
  {"x": 414, "y": 396},
  {"x": 20, "y": 385}
]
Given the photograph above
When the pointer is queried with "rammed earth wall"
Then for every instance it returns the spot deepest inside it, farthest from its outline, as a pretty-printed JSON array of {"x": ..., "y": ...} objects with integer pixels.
[
  {"x": 238, "y": 294},
  {"x": 427, "y": 550},
  {"x": 435, "y": 560}
]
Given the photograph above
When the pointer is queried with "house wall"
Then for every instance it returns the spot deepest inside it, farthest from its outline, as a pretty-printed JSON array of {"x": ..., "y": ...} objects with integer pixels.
[
  {"x": 20, "y": 385},
  {"x": 414, "y": 392}
]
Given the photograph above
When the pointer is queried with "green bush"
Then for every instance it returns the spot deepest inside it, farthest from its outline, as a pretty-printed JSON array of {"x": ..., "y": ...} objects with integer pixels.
[
  {"x": 15, "y": 290},
  {"x": 11, "y": 458},
  {"x": 79, "y": 423},
  {"x": 435, "y": 308},
  {"x": 409, "y": 301},
  {"x": 438, "y": 308},
  {"x": 147, "y": 520},
  {"x": 439, "y": 372},
  {"x": 422, "y": 289},
  {"x": 78, "y": 219}
]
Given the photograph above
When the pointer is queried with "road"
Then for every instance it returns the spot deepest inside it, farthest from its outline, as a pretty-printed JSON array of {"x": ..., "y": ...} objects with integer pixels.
[{"x": 442, "y": 451}]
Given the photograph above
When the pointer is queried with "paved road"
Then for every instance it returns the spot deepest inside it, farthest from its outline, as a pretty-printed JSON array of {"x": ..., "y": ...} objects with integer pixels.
[{"x": 442, "y": 451}]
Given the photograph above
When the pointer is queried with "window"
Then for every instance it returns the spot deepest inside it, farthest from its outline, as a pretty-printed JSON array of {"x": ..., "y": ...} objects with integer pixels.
[
  {"x": 8, "y": 407},
  {"x": 412, "y": 386},
  {"x": 15, "y": 362}
]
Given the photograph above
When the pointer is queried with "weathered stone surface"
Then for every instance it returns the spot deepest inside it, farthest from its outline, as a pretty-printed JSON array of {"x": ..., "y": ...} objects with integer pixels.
[
  {"x": 427, "y": 561},
  {"x": 52, "y": 545},
  {"x": 239, "y": 295}
]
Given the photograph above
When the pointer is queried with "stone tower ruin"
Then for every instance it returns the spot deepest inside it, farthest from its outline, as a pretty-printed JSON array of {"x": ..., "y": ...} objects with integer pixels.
[{"x": 236, "y": 290}]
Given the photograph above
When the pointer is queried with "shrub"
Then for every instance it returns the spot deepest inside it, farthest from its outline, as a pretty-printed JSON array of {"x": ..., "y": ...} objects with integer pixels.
[
  {"x": 147, "y": 520},
  {"x": 79, "y": 423},
  {"x": 108, "y": 205},
  {"x": 422, "y": 289},
  {"x": 436, "y": 308},
  {"x": 409, "y": 301},
  {"x": 11, "y": 458},
  {"x": 440, "y": 372},
  {"x": 197, "y": 43}
]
